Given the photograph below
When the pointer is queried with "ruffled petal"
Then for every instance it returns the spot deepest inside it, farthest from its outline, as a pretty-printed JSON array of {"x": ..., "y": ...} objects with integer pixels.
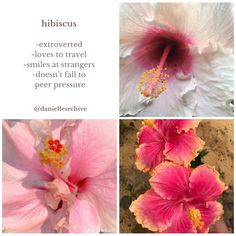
[
  {"x": 149, "y": 155},
  {"x": 202, "y": 22},
  {"x": 154, "y": 212},
  {"x": 183, "y": 148},
  {"x": 83, "y": 218},
  {"x": 186, "y": 125},
  {"x": 171, "y": 181},
  {"x": 205, "y": 184},
  {"x": 213, "y": 71},
  {"x": 178, "y": 100},
  {"x": 210, "y": 213},
  {"x": 101, "y": 192},
  {"x": 93, "y": 149}
]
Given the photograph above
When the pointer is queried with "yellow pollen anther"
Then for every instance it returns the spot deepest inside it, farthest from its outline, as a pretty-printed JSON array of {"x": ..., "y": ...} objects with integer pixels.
[
  {"x": 53, "y": 152},
  {"x": 195, "y": 216},
  {"x": 149, "y": 123},
  {"x": 153, "y": 82}
]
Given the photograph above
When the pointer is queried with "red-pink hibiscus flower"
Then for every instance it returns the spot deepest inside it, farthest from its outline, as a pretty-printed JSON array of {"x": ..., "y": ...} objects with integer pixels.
[
  {"x": 172, "y": 140},
  {"x": 59, "y": 176},
  {"x": 182, "y": 200}
]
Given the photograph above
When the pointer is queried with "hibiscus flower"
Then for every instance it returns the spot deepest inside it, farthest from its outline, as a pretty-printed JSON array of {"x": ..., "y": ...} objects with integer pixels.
[
  {"x": 162, "y": 140},
  {"x": 176, "y": 59},
  {"x": 181, "y": 200},
  {"x": 59, "y": 176}
]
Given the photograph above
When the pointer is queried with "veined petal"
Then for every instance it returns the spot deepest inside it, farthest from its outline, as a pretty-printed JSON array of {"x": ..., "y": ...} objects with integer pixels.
[
  {"x": 154, "y": 212},
  {"x": 171, "y": 181},
  {"x": 100, "y": 191},
  {"x": 213, "y": 71},
  {"x": 19, "y": 152},
  {"x": 148, "y": 135},
  {"x": 183, "y": 148},
  {"x": 210, "y": 213},
  {"x": 177, "y": 100},
  {"x": 205, "y": 184},
  {"x": 149, "y": 155},
  {"x": 134, "y": 18},
  {"x": 83, "y": 218},
  {"x": 23, "y": 211},
  {"x": 93, "y": 149},
  {"x": 203, "y": 22},
  {"x": 181, "y": 222}
]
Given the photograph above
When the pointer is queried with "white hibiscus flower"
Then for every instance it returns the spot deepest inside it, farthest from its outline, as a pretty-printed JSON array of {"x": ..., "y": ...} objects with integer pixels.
[{"x": 176, "y": 59}]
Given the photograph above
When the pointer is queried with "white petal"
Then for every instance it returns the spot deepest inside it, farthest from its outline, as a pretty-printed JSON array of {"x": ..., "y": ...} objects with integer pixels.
[
  {"x": 134, "y": 19},
  {"x": 202, "y": 22},
  {"x": 213, "y": 71},
  {"x": 178, "y": 100},
  {"x": 131, "y": 102}
]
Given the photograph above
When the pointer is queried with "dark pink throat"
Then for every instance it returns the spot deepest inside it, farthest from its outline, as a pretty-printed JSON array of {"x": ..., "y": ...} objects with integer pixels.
[{"x": 153, "y": 46}]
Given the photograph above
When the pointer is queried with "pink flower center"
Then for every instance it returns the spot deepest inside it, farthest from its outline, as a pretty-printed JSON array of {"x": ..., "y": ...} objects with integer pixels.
[
  {"x": 162, "y": 53},
  {"x": 53, "y": 152}
]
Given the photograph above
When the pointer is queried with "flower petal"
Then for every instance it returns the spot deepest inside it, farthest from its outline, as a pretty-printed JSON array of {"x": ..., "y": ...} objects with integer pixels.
[
  {"x": 148, "y": 135},
  {"x": 19, "y": 152},
  {"x": 178, "y": 100},
  {"x": 131, "y": 102},
  {"x": 213, "y": 71},
  {"x": 149, "y": 155},
  {"x": 203, "y": 22},
  {"x": 101, "y": 192},
  {"x": 183, "y": 148},
  {"x": 93, "y": 149},
  {"x": 134, "y": 18},
  {"x": 153, "y": 212},
  {"x": 210, "y": 213},
  {"x": 181, "y": 223},
  {"x": 171, "y": 181},
  {"x": 205, "y": 184},
  {"x": 83, "y": 218}
]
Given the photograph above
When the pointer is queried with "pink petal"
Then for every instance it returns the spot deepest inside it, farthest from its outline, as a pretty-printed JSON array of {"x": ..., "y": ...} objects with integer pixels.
[
  {"x": 149, "y": 155},
  {"x": 57, "y": 191},
  {"x": 148, "y": 135},
  {"x": 23, "y": 213},
  {"x": 101, "y": 192},
  {"x": 186, "y": 125},
  {"x": 93, "y": 149},
  {"x": 19, "y": 152},
  {"x": 154, "y": 212},
  {"x": 83, "y": 218},
  {"x": 205, "y": 184},
  {"x": 183, "y": 148},
  {"x": 171, "y": 181},
  {"x": 22, "y": 202},
  {"x": 181, "y": 223},
  {"x": 210, "y": 213}
]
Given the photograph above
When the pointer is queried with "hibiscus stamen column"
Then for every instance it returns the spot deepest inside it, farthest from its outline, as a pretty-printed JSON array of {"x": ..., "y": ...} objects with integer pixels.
[
  {"x": 153, "y": 82},
  {"x": 53, "y": 152}
]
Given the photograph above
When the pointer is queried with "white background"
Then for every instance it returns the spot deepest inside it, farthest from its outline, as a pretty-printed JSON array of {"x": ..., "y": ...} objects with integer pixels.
[{"x": 21, "y": 30}]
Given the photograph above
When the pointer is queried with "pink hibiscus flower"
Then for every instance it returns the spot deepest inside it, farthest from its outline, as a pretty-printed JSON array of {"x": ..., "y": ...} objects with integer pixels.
[
  {"x": 182, "y": 200},
  {"x": 59, "y": 176},
  {"x": 172, "y": 140}
]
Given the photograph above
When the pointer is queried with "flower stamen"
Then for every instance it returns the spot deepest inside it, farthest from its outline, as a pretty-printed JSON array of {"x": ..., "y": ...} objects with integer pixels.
[
  {"x": 153, "y": 82},
  {"x": 195, "y": 216},
  {"x": 53, "y": 152}
]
